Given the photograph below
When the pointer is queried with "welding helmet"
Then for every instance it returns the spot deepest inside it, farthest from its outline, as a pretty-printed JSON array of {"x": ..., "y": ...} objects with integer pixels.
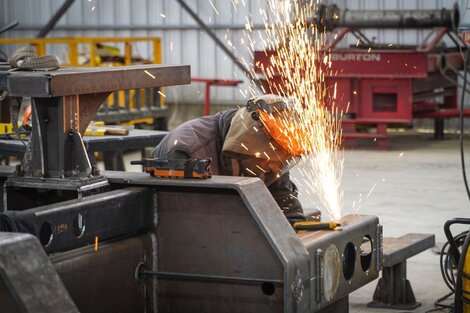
[{"x": 257, "y": 142}]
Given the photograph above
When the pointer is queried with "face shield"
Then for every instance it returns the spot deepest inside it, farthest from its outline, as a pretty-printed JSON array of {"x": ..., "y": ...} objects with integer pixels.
[
  {"x": 266, "y": 150},
  {"x": 267, "y": 169}
]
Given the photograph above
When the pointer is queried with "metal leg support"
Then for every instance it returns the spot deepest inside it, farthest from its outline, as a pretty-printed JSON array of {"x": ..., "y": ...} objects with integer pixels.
[
  {"x": 393, "y": 290},
  {"x": 114, "y": 160}
]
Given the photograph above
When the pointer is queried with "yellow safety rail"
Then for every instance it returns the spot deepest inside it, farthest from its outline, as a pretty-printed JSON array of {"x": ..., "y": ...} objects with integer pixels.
[
  {"x": 91, "y": 47},
  {"x": 92, "y": 42}
]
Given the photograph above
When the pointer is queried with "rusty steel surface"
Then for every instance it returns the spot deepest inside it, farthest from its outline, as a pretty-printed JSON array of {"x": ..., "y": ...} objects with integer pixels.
[
  {"x": 104, "y": 280},
  {"x": 359, "y": 243},
  {"x": 397, "y": 250},
  {"x": 84, "y": 80},
  {"x": 63, "y": 103},
  {"x": 219, "y": 238},
  {"x": 29, "y": 283},
  {"x": 70, "y": 224},
  {"x": 215, "y": 245}
]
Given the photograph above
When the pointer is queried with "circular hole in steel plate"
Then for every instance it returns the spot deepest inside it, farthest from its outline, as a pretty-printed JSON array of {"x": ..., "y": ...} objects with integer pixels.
[
  {"x": 45, "y": 234},
  {"x": 349, "y": 260},
  {"x": 78, "y": 225},
  {"x": 366, "y": 253},
  {"x": 268, "y": 288}
]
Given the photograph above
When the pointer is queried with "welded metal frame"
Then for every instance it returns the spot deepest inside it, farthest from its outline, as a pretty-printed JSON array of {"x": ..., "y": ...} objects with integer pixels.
[
  {"x": 63, "y": 103},
  {"x": 220, "y": 244},
  {"x": 298, "y": 253},
  {"x": 74, "y": 223},
  {"x": 248, "y": 227}
]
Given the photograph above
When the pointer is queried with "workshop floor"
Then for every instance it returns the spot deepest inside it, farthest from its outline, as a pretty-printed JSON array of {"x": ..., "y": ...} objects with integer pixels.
[{"x": 415, "y": 186}]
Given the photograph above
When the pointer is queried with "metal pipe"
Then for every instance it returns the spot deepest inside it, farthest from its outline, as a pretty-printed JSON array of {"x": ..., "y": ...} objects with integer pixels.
[
  {"x": 211, "y": 278},
  {"x": 8, "y": 27},
  {"x": 50, "y": 25},
  {"x": 330, "y": 17}
]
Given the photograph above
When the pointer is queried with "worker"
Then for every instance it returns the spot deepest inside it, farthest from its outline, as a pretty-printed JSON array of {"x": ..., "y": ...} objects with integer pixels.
[{"x": 238, "y": 143}]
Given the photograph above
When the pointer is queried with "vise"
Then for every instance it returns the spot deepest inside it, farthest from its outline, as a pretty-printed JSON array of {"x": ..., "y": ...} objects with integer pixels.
[{"x": 128, "y": 242}]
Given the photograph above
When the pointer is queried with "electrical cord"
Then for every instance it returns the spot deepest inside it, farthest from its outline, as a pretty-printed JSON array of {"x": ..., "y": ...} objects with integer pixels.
[
  {"x": 440, "y": 307},
  {"x": 447, "y": 263},
  {"x": 450, "y": 260},
  {"x": 448, "y": 267}
]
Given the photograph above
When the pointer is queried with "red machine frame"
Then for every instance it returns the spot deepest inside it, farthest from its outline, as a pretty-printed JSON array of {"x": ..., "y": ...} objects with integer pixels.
[{"x": 381, "y": 84}]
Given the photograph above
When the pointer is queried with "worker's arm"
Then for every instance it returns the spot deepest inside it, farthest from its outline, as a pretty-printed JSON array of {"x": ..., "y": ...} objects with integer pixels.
[{"x": 285, "y": 193}]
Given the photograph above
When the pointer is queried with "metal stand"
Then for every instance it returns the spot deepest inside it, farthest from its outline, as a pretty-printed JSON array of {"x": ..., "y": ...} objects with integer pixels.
[
  {"x": 63, "y": 103},
  {"x": 393, "y": 290}
]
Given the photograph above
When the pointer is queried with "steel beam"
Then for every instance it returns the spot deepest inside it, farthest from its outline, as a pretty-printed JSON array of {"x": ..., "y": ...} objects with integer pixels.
[
  {"x": 330, "y": 17},
  {"x": 50, "y": 25},
  {"x": 63, "y": 103},
  {"x": 70, "y": 224},
  {"x": 91, "y": 80}
]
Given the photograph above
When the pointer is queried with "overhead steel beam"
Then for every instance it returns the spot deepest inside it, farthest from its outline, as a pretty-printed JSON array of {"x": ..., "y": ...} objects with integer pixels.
[
  {"x": 249, "y": 74},
  {"x": 50, "y": 25},
  {"x": 8, "y": 27}
]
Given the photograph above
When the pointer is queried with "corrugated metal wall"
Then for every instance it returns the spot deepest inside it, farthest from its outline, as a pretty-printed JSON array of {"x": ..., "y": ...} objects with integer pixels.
[{"x": 182, "y": 41}]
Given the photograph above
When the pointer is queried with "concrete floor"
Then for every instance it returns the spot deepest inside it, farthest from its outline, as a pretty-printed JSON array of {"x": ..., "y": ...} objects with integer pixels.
[{"x": 417, "y": 185}]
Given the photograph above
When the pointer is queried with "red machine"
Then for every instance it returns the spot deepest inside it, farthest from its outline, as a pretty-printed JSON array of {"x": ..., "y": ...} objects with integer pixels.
[{"x": 381, "y": 84}]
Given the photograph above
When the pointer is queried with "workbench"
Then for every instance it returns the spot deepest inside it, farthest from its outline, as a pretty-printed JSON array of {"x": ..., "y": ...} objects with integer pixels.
[{"x": 112, "y": 147}]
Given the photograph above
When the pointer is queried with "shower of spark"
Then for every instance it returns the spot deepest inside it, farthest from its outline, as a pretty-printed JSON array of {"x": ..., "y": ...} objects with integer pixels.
[{"x": 301, "y": 65}]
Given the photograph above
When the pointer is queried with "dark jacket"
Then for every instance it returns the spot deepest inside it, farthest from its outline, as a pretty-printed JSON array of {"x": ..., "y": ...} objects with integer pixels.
[{"x": 204, "y": 138}]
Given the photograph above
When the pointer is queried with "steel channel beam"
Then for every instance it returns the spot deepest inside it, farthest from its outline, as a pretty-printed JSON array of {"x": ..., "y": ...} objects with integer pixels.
[
  {"x": 70, "y": 224},
  {"x": 83, "y": 80}
]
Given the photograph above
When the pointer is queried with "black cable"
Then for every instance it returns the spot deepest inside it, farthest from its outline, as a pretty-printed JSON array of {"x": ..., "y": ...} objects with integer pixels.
[
  {"x": 439, "y": 306},
  {"x": 447, "y": 263},
  {"x": 449, "y": 258},
  {"x": 454, "y": 251},
  {"x": 462, "y": 154}
]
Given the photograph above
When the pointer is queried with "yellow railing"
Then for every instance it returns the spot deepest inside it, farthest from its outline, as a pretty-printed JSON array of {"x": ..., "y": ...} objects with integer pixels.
[
  {"x": 90, "y": 46},
  {"x": 91, "y": 42}
]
